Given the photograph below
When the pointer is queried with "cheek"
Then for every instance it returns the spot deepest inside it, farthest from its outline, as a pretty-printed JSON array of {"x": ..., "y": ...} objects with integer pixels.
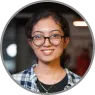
[
  {"x": 60, "y": 49},
  {"x": 35, "y": 49}
]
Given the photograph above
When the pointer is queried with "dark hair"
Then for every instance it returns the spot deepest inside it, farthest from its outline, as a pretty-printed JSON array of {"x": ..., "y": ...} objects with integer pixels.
[
  {"x": 44, "y": 13},
  {"x": 58, "y": 18}
]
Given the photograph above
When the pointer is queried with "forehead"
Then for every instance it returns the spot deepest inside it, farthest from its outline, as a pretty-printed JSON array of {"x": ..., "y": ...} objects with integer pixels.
[{"x": 46, "y": 24}]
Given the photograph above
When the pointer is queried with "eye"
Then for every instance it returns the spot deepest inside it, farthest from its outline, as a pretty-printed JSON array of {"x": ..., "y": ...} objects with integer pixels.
[
  {"x": 55, "y": 36},
  {"x": 37, "y": 37}
]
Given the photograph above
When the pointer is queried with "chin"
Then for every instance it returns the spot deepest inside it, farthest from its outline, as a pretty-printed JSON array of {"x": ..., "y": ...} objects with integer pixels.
[{"x": 47, "y": 59}]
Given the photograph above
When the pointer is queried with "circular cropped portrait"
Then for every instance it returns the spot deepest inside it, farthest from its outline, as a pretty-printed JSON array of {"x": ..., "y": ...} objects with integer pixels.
[{"x": 47, "y": 47}]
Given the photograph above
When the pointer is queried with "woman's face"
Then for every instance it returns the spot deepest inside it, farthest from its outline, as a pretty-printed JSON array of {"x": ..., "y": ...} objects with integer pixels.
[{"x": 48, "y": 52}]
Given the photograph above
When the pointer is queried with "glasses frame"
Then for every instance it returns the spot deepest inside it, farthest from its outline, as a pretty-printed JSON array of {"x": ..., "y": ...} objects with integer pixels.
[{"x": 48, "y": 40}]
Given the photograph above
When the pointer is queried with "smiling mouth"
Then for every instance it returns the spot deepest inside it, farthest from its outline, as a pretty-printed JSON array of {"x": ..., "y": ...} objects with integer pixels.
[{"x": 47, "y": 52}]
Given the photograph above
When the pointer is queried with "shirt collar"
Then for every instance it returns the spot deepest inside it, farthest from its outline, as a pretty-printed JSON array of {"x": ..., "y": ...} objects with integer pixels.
[
  {"x": 70, "y": 79},
  {"x": 33, "y": 75}
]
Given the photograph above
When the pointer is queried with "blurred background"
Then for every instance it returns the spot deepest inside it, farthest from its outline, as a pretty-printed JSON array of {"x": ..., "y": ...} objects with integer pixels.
[{"x": 17, "y": 54}]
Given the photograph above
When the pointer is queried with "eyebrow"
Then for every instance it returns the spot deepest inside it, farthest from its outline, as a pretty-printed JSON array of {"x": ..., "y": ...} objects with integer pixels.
[{"x": 49, "y": 31}]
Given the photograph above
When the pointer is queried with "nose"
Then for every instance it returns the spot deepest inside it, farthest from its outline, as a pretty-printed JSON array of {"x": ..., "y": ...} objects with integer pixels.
[{"x": 47, "y": 43}]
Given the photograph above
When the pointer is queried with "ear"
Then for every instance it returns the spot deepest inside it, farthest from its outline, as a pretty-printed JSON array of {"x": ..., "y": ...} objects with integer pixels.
[
  {"x": 29, "y": 42},
  {"x": 66, "y": 42}
]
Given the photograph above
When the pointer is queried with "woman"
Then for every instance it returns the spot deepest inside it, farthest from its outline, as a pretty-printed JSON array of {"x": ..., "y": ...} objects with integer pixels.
[{"x": 48, "y": 35}]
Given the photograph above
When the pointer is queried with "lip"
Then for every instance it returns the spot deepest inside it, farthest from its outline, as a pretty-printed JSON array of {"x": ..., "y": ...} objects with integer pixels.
[{"x": 47, "y": 51}]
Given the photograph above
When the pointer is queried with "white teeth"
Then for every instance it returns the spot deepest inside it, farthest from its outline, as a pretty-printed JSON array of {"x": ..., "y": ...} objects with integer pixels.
[{"x": 47, "y": 52}]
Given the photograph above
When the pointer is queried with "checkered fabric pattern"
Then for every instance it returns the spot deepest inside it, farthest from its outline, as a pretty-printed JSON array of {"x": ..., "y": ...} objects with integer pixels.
[{"x": 28, "y": 78}]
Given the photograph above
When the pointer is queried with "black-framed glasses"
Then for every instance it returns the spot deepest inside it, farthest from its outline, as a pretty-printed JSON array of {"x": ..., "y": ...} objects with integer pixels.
[{"x": 54, "y": 39}]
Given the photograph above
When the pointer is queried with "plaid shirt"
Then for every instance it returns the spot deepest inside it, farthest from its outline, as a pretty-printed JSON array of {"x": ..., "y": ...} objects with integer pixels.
[{"x": 28, "y": 78}]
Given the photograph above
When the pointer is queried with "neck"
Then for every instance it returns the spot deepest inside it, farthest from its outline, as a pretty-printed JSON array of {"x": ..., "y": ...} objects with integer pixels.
[
  {"x": 49, "y": 73},
  {"x": 48, "y": 68}
]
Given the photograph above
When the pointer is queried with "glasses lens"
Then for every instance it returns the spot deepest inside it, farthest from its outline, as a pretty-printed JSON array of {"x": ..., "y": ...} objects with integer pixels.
[
  {"x": 55, "y": 39},
  {"x": 38, "y": 40}
]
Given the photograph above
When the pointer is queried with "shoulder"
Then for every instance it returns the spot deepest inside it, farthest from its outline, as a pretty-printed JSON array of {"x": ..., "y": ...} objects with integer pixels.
[
  {"x": 23, "y": 75},
  {"x": 72, "y": 77}
]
